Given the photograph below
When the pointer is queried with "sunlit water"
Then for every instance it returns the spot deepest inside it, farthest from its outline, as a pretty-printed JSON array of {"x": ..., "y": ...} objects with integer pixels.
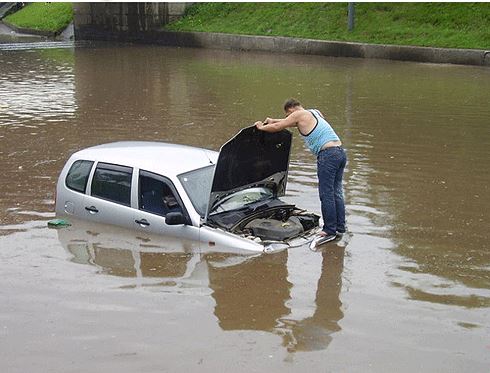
[{"x": 407, "y": 290}]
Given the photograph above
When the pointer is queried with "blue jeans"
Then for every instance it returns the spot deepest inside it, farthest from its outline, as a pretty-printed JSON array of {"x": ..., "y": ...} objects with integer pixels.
[{"x": 331, "y": 163}]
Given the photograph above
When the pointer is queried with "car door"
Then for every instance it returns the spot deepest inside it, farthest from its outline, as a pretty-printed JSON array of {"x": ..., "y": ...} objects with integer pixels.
[
  {"x": 108, "y": 199},
  {"x": 157, "y": 197}
]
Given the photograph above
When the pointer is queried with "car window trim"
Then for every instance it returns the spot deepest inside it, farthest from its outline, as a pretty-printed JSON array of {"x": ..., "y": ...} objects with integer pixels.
[{"x": 115, "y": 167}]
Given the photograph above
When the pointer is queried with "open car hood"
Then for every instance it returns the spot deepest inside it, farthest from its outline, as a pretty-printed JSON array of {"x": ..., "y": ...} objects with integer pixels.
[{"x": 251, "y": 158}]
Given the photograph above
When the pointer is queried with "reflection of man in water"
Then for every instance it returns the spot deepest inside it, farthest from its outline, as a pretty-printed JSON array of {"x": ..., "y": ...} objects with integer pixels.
[
  {"x": 254, "y": 296},
  {"x": 315, "y": 332}
]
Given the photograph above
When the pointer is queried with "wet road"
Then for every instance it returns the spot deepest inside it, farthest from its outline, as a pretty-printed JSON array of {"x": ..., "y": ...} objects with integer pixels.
[{"x": 408, "y": 290}]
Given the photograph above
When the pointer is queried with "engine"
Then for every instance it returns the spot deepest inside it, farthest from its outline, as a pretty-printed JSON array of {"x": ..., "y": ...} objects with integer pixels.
[{"x": 280, "y": 225}]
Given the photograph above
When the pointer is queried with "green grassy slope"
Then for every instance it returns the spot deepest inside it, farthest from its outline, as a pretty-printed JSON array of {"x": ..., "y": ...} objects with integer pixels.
[
  {"x": 452, "y": 25},
  {"x": 43, "y": 16}
]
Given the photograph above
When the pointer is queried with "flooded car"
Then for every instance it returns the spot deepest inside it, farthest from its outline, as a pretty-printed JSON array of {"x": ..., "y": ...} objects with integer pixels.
[{"x": 227, "y": 200}]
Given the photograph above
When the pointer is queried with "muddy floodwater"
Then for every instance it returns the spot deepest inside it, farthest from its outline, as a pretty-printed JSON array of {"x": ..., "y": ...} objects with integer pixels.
[{"x": 408, "y": 289}]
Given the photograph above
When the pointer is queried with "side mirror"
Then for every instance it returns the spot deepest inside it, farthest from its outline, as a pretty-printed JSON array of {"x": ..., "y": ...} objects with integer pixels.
[{"x": 175, "y": 218}]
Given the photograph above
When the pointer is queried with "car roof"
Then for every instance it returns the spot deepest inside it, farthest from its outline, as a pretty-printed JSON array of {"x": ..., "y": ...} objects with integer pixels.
[{"x": 159, "y": 157}]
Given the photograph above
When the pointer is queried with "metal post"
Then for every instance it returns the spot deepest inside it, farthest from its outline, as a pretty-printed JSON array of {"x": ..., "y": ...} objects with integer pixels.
[{"x": 350, "y": 16}]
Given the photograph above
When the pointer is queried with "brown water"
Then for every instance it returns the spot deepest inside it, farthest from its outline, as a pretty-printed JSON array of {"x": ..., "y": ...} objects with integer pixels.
[{"x": 407, "y": 290}]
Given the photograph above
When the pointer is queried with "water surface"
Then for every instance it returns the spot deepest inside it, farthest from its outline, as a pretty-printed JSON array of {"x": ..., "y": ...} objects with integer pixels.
[{"x": 408, "y": 289}]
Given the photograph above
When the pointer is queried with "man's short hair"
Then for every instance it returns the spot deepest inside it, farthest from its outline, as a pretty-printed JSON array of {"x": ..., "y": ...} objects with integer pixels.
[{"x": 290, "y": 103}]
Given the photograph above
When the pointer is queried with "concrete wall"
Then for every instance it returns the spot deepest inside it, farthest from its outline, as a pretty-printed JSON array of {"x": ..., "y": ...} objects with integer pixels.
[
  {"x": 109, "y": 21},
  {"x": 176, "y": 10}
]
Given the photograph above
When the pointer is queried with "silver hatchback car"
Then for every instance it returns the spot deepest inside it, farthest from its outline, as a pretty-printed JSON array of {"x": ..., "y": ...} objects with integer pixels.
[{"x": 227, "y": 200}]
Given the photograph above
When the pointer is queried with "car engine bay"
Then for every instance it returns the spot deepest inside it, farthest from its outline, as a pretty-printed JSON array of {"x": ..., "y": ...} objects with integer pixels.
[{"x": 271, "y": 223}]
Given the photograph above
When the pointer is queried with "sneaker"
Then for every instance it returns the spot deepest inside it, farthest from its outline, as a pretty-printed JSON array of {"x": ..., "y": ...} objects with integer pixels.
[
  {"x": 321, "y": 239},
  {"x": 324, "y": 238}
]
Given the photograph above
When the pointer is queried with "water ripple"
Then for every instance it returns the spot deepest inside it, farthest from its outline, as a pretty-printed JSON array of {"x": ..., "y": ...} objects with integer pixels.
[
  {"x": 36, "y": 45},
  {"x": 41, "y": 91}
]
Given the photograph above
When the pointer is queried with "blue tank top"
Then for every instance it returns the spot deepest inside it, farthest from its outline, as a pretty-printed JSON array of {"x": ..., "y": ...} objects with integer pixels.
[{"x": 320, "y": 134}]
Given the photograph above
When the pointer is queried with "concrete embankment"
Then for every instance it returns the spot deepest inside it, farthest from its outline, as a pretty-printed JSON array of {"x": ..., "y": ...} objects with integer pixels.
[
  {"x": 278, "y": 44},
  {"x": 12, "y": 34},
  {"x": 8, "y": 35},
  {"x": 28, "y": 31},
  {"x": 325, "y": 48}
]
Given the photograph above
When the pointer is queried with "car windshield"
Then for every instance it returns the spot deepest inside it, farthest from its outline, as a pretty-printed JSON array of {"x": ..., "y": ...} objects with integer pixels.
[
  {"x": 242, "y": 198},
  {"x": 197, "y": 184}
]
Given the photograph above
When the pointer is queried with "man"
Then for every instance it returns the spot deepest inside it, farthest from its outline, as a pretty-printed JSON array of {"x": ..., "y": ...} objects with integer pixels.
[{"x": 322, "y": 140}]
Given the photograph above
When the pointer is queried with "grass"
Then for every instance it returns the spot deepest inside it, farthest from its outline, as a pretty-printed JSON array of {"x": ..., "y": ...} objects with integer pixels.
[
  {"x": 52, "y": 17},
  {"x": 450, "y": 25}
]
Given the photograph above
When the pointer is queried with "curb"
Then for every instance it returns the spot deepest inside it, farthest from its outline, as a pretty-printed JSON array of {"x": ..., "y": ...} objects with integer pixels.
[
  {"x": 21, "y": 30},
  {"x": 280, "y": 44},
  {"x": 331, "y": 48}
]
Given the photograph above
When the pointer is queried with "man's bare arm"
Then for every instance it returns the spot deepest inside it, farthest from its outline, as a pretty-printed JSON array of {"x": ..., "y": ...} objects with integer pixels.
[
  {"x": 271, "y": 120},
  {"x": 290, "y": 121}
]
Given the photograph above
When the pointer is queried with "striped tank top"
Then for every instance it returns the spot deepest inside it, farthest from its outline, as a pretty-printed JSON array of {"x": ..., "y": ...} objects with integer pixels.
[{"x": 320, "y": 134}]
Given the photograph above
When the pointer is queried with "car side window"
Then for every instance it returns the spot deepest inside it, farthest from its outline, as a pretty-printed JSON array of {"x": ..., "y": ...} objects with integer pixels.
[
  {"x": 156, "y": 195},
  {"x": 113, "y": 183},
  {"x": 77, "y": 176}
]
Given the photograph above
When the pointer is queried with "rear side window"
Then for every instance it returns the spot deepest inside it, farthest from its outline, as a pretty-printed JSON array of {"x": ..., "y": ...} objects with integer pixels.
[
  {"x": 113, "y": 183},
  {"x": 78, "y": 175}
]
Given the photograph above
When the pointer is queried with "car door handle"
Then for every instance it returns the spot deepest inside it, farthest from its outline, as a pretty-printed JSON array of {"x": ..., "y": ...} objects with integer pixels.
[
  {"x": 143, "y": 222},
  {"x": 92, "y": 209}
]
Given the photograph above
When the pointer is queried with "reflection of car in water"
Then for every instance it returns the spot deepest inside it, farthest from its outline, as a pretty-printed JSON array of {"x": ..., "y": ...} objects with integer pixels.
[
  {"x": 253, "y": 295},
  {"x": 117, "y": 252},
  {"x": 230, "y": 199},
  {"x": 250, "y": 292}
]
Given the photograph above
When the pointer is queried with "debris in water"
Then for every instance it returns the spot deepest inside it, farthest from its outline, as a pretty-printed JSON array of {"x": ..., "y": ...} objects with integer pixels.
[{"x": 58, "y": 223}]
